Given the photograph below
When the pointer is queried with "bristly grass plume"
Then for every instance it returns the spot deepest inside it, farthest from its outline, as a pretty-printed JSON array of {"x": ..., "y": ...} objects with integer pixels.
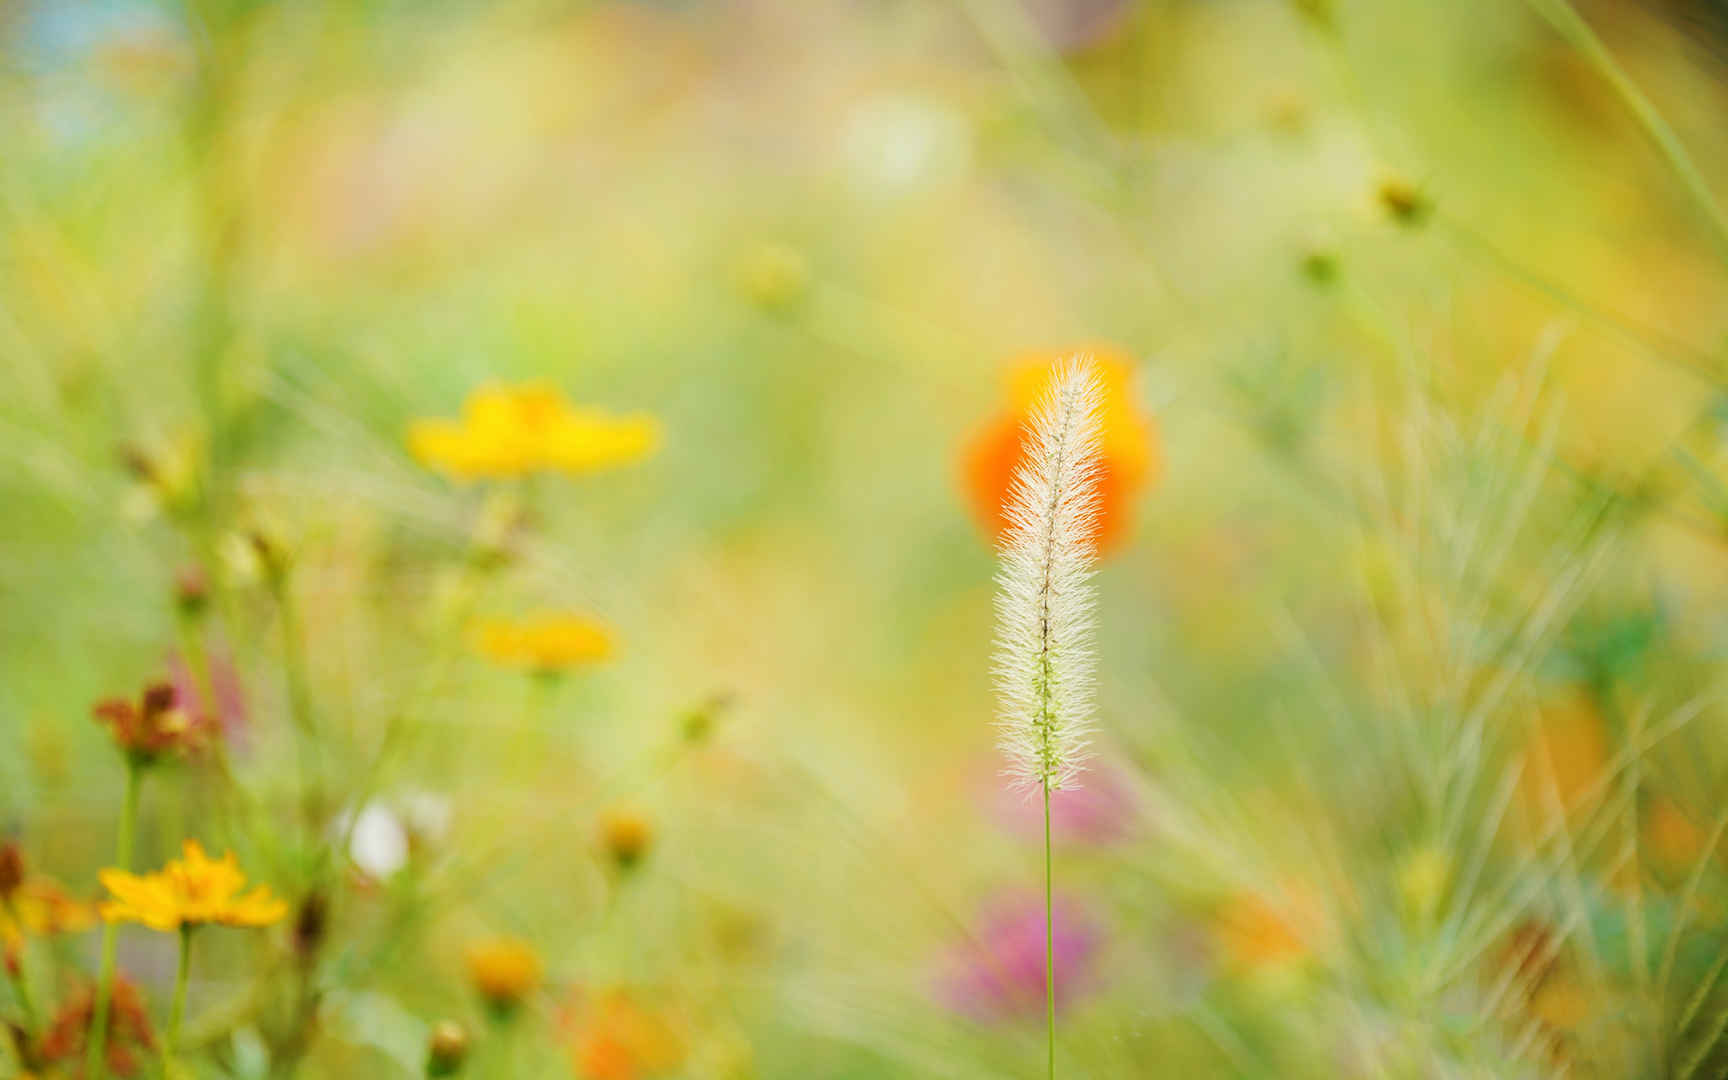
[
  {"x": 1044, "y": 603},
  {"x": 1044, "y": 608}
]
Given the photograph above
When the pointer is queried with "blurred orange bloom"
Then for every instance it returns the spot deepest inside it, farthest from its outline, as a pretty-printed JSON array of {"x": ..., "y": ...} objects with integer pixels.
[
  {"x": 1565, "y": 760},
  {"x": 1129, "y": 451},
  {"x": 1254, "y": 933},
  {"x": 36, "y": 906},
  {"x": 616, "y": 1039},
  {"x": 1673, "y": 843},
  {"x": 129, "y": 1038},
  {"x": 515, "y": 430}
]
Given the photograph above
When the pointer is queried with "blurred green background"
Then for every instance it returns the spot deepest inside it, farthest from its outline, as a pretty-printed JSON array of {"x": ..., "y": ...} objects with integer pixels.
[{"x": 1428, "y": 301}]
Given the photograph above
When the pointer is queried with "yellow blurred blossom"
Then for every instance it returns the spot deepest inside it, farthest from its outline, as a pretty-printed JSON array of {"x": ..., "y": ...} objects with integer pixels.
[
  {"x": 190, "y": 891},
  {"x": 1424, "y": 876},
  {"x": 1673, "y": 843},
  {"x": 504, "y": 970},
  {"x": 516, "y": 430},
  {"x": 545, "y": 644},
  {"x": 1565, "y": 762},
  {"x": 773, "y": 276},
  {"x": 40, "y": 907},
  {"x": 626, "y": 838}
]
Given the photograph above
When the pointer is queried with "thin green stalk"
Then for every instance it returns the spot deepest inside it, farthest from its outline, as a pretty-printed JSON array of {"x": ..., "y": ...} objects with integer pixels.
[
  {"x": 1049, "y": 937},
  {"x": 177, "y": 1011},
  {"x": 299, "y": 701},
  {"x": 96, "y": 1063},
  {"x": 15, "y": 967},
  {"x": 1572, "y": 26}
]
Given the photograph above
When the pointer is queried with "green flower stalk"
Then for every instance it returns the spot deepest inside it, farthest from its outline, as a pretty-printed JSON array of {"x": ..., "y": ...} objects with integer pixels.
[
  {"x": 96, "y": 1063},
  {"x": 177, "y": 1010},
  {"x": 1044, "y": 609}
]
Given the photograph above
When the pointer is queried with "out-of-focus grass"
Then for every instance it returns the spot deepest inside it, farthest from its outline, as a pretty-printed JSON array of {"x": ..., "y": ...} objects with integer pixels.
[{"x": 1425, "y": 480}]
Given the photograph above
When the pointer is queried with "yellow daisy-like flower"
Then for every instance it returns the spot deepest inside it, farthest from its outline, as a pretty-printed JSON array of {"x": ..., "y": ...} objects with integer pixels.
[
  {"x": 545, "y": 644},
  {"x": 515, "y": 430},
  {"x": 190, "y": 891}
]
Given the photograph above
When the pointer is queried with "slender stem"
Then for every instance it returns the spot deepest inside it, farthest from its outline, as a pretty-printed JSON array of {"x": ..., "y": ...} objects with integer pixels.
[
  {"x": 177, "y": 1011},
  {"x": 1049, "y": 937},
  {"x": 96, "y": 1062},
  {"x": 1571, "y": 25},
  {"x": 299, "y": 702},
  {"x": 15, "y": 967}
]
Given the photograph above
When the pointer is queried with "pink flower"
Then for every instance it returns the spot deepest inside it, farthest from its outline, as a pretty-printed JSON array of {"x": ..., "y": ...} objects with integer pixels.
[
  {"x": 998, "y": 975},
  {"x": 228, "y": 717}
]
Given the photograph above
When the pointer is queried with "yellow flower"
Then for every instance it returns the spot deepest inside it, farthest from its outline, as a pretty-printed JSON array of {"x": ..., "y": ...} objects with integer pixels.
[
  {"x": 504, "y": 970},
  {"x": 545, "y": 644},
  {"x": 516, "y": 430},
  {"x": 190, "y": 891}
]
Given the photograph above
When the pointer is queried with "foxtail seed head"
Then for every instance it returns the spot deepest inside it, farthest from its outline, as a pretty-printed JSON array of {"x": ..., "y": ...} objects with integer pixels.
[{"x": 1044, "y": 600}]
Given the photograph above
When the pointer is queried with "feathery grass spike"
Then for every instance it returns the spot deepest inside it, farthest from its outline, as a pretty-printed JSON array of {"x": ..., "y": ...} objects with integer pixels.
[{"x": 1044, "y": 603}]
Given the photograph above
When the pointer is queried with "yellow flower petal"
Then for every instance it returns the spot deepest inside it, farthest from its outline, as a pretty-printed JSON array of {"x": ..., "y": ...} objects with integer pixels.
[
  {"x": 511, "y": 431},
  {"x": 192, "y": 890}
]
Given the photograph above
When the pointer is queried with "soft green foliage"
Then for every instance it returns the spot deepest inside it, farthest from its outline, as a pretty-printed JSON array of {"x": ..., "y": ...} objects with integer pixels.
[{"x": 1409, "y": 749}]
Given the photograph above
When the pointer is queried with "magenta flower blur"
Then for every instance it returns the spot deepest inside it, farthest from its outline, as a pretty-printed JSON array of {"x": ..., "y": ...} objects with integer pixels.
[
  {"x": 1101, "y": 810},
  {"x": 998, "y": 975},
  {"x": 228, "y": 716}
]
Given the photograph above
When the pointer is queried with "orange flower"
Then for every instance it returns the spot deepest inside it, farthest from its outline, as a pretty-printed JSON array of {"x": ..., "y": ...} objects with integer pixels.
[
  {"x": 600, "y": 1056},
  {"x": 41, "y": 907},
  {"x": 129, "y": 1040},
  {"x": 617, "y": 1039},
  {"x": 1673, "y": 843},
  {"x": 1565, "y": 761},
  {"x": 1255, "y": 933},
  {"x": 1129, "y": 453}
]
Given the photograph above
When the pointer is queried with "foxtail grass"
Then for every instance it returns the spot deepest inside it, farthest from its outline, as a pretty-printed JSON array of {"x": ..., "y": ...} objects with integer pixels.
[{"x": 1044, "y": 610}]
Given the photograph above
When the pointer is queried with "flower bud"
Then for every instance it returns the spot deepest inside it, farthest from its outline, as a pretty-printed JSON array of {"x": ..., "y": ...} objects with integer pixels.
[
  {"x": 626, "y": 838},
  {"x": 191, "y": 593},
  {"x": 447, "y": 1049},
  {"x": 1404, "y": 202},
  {"x": 698, "y": 723}
]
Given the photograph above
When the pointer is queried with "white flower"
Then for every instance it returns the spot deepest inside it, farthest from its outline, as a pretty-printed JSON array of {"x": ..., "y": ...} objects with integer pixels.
[{"x": 379, "y": 844}]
